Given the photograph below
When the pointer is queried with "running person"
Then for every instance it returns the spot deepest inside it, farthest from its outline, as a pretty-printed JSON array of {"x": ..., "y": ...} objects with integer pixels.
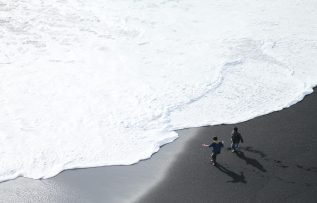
[
  {"x": 216, "y": 149},
  {"x": 236, "y": 138}
]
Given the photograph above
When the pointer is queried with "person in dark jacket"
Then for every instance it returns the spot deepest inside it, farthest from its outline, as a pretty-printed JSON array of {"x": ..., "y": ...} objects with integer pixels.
[
  {"x": 236, "y": 138},
  {"x": 216, "y": 149}
]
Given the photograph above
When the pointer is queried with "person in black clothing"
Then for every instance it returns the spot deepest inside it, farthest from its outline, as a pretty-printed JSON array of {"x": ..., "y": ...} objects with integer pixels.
[
  {"x": 216, "y": 149},
  {"x": 236, "y": 138}
]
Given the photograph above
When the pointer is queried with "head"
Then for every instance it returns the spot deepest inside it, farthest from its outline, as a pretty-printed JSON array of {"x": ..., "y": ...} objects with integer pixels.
[
  {"x": 215, "y": 139},
  {"x": 235, "y": 129}
]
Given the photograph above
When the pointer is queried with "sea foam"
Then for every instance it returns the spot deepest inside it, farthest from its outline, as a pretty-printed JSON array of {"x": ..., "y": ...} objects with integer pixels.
[{"x": 94, "y": 83}]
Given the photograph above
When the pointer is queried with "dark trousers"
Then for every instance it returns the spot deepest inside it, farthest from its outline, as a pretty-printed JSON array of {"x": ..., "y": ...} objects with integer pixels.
[{"x": 214, "y": 157}]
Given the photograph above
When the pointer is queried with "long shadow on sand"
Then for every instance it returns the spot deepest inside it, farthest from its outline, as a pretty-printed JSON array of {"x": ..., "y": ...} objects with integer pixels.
[
  {"x": 255, "y": 151},
  {"x": 250, "y": 161},
  {"x": 236, "y": 178}
]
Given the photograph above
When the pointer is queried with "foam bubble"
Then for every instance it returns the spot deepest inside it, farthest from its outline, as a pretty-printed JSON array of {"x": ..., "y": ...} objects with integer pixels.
[{"x": 106, "y": 82}]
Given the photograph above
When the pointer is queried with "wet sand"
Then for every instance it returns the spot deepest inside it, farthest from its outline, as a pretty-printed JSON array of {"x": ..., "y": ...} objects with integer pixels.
[
  {"x": 277, "y": 163},
  {"x": 102, "y": 184}
]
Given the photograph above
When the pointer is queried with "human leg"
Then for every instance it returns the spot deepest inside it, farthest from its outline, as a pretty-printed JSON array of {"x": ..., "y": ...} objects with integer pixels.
[
  {"x": 213, "y": 158},
  {"x": 233, "y": 147}
]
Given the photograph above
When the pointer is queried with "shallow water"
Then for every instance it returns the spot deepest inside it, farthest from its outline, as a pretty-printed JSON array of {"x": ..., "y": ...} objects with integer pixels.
[{"x": 106, "y": 82}]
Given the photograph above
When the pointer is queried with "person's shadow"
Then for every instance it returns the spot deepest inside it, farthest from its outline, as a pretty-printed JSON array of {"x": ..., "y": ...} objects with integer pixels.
[
  {"x": 236, "y": 178},
  {"x": 252, "y": 162}
]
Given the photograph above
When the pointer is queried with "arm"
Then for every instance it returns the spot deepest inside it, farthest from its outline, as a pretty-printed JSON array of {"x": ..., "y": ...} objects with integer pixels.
[
  {"x": 205, "y": 145},
  {"x": 223, "y": 143},
  {"x": 241, "y": 138}
]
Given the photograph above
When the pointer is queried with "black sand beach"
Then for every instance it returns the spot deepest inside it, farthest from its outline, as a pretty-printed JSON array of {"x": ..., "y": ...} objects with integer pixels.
[
  {"x": 277, "y": 163},
  {"x": 101, "y": 184}
]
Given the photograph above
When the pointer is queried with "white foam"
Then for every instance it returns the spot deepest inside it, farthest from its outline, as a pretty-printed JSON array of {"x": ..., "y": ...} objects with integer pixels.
[{"x": 98, "y": 83}]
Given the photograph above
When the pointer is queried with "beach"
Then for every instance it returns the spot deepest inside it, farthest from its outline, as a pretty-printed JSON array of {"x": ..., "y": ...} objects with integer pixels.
[
  {"x": 117, "y": 101},
  {"x": 100, "y": 184},
  {"x": 276, "y": 163}
]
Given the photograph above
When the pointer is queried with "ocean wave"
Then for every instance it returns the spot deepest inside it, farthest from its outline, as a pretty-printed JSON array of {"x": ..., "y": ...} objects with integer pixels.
[{"x": 98, "y": 83}]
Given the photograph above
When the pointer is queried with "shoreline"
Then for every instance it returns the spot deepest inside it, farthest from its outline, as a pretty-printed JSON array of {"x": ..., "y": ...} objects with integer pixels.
[
  {"x": 97, "y": 184},
  {"x": 276, "y": 163},
  {"x": 278, "y": 155}
]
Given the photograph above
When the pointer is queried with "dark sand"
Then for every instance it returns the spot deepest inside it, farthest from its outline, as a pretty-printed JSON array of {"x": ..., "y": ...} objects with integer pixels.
[
  {"x": 277, "y": 163},
  {"x": 102, "y": 184}
]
